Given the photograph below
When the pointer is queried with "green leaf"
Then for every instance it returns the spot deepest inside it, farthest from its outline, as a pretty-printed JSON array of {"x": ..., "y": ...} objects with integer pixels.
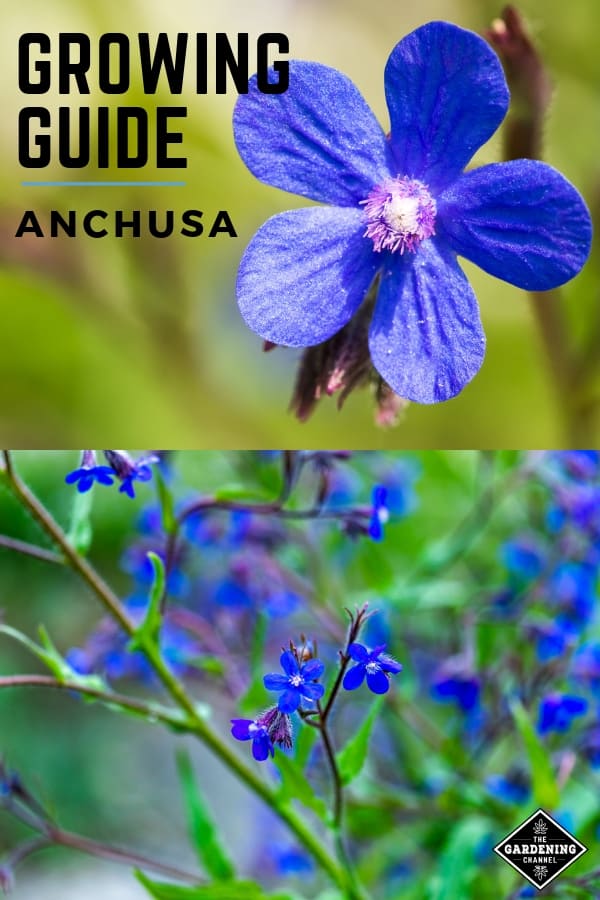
[
  {"x": 545, "y": 789},
  {"x": 233, "y": 890},
  {"x": 148, "y": 631},
  {"x": 351, "y": 759},
  {"x": 167, "y": 508},
  {"x": 295, "y": 786},
  {"x": 80, "y": 527},
  {"x": 458, "y": 861},
  {"x": 201, "y": 828}
]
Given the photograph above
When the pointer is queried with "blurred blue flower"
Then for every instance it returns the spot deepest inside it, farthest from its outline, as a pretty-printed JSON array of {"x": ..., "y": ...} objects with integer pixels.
[
  {"x": 402, "y": 208},
  {"x": 557, "y": 712},
  {"x": 298, "y": 684},
  {"x": 380, "y": 513},
  {"x": 551, "y": 640},
  {"x": 585, "y": 666},
  {"x": 374, "y": 664},
  {"x": 510, "y": 788},
  {"x": 572, "y": 587},
  {"x": 290, "y": 860},
  {"x": 461, "y": 688},
  {"x": 523, "y": 557}
]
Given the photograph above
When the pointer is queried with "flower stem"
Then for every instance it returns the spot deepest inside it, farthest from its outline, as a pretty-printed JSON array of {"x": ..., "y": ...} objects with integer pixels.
[{"x": 194, "y": 723}]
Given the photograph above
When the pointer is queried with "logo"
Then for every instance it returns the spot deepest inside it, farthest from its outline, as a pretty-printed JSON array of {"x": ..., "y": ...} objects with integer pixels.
[{"x": 540, "y": 849}]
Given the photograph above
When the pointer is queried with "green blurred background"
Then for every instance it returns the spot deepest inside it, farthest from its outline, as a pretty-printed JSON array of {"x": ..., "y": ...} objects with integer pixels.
[{"x": 140, "y": 341}]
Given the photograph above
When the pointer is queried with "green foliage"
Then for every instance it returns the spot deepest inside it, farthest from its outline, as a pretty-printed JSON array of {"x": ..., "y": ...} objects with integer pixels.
[
  {"x": 235, "y": 890},
  {"x": 352, "y": 757},
  {"x": 202, "y": 830},
  {"x": 546, "y": 792},
  {"x": 147, "y": 633},
  {"x": 80, "y": 528}
]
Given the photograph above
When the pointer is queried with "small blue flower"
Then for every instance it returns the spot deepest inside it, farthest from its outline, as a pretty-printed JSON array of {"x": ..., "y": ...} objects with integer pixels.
[
  {"x": 271, "y": 727},
  {"x": 129, "y": 470},
  {"x": 380, "y": 513},
  {"x": 557, "y": 712},
  {"x": 85, "y": 477},
  {"x": 89, "y": 472},
  {"x": 298, "y": 683},
  {"x": 523, "y": 557},
  {"x": 251, "y": 730},
  {"x": 511, "y": 789},
  {"x": 401, "y": 208},
  {"x": 376, "y": 665}
]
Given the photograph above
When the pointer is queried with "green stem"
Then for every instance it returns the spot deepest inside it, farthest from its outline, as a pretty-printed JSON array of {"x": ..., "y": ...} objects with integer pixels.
[{"x": 194, "y": 724}]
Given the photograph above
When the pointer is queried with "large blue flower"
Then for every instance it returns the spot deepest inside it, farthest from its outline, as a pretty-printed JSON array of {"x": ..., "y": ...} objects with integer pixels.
[{"x": 402, "y": 208}]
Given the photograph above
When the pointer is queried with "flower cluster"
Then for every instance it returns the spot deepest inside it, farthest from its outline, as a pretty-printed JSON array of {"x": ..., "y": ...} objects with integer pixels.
[{"x": 120, "y": 466}]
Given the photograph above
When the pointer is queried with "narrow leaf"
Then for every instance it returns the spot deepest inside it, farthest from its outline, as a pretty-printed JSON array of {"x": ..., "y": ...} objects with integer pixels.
[
  {"x": 545, "y": 789},
  {"x": 167, "y": 508},
  {"x": 233, "y": 890},
  {"x": 148, "y": 631},
  {"x": 295, "y": 786},
  {"x": 351, "y": 759},
  {"x": 80, "y": 527},
  {"x": 203, "y": 834}
]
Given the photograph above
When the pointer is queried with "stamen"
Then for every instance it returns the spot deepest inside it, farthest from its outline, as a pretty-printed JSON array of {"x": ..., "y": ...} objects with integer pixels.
[{"x": 400, "y": 214}]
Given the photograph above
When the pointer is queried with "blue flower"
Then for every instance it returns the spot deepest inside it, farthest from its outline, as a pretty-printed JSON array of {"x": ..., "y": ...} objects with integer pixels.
[
  {"x": 523, "y": 557},
  {"x": 380, "y": 513},
  {"x": 376, "y": 665},
  {"x": 85, "y": 477},
  {"x": 511, "y": 789},
  {"x": 271, "y": 727},
  {"x": 89, "y": 472},
  {"x": 557, "y": 712},
  {"x": 401, "y": 210},
  {"x": 129, "y": 470},
  {"x": 298, "y": 683},
  {"x": 250, "y": 729},
  {"x": 461, "y": 688}
]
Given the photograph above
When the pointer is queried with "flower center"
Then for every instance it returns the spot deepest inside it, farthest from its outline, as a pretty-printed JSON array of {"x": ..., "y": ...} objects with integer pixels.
[
  {"x": 296, "y": 680},
  {"x": 400, "y": 214},
  {"x": 372, "y": 667}
]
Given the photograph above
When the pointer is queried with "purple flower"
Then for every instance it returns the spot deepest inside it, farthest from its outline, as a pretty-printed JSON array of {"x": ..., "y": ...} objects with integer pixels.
[
  {"x": 557, "y": 712},
  {"x": 376, "y": 665},
  {"x": 380, "y": 513},
  {"x": 89, "y": 472},
  {"x": 272, "y": 727},
  {"x": 401, "y": 209},
  {"x": 129, "y": 470},
  {"x": 298, "y": 683}
]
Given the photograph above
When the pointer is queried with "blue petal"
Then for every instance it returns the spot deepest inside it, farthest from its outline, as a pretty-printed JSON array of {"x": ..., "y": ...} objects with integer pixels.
[
  {"x": 520, "y": 221},
  {"x": 447, "y": 95},
  {"x": 312, "y": 691},
  {"x": 358, "y": 652},
  {"x": 378, "y": 682},
  {"x": 261, "y": 747},
  {"x": 240, "y": 729},
  {"x": 289, "y": 663},
  {"x": 289, "y": 701},
  {"x": 426, "y": 338},
  {"x": 314, "y": 668},
  {"x": 304, "y": 274},
  {"x": 127, "y": 487},
  {"x": 354, "y": 677},
  {"x": 318, "y": 139},
  {"x": 276, "y": 682},
  {"x": 75, "y": 475}
]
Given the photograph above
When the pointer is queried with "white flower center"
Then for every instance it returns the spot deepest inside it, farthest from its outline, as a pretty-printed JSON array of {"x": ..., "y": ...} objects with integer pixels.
[
  {"x": 372, "y": 667},
  {"x": 296, "y": 680}
]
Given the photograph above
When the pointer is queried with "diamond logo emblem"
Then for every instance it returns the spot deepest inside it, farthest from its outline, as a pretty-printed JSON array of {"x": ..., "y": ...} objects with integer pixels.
[{"x": 540, "y": 849}]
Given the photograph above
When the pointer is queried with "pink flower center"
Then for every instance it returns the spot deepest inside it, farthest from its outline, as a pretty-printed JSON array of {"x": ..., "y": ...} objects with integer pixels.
[{"x": 400, "y": 214}]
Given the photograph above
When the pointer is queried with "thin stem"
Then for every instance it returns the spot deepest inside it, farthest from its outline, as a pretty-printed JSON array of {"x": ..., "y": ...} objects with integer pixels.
[
  {"x": 148, "y": 710},
  {"x": 30, "y": 550},
  {"x": 194, "y": 724},
  {"x": 117, "y": 854}
]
